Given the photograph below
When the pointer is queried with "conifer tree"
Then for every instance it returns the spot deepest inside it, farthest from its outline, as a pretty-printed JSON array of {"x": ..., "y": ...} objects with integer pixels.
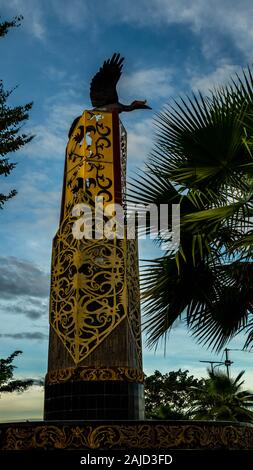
[{"x": 11, "y": 121}]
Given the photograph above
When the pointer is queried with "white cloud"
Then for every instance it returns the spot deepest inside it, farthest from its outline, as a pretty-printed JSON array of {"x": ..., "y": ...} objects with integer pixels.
[
  {"x": 32, "y": 13},
  {"x": 161, "y": 11},
  {"x": 220, "y": 76},
  {"x": 48, "y": 144},
  {"x": 33, "y": 214},
  {"x": 220, "y": 18},
  {"x": 22, "y": 406},
  {"x": 51, "y": 136},
  {"x": 139, "y": 142},
  {"x": 226, "y": 17},
  {"x": 74, "y": 13},
  {"x": 148, "y": 83},
  {"x": 20, "y": 278},
  {"x": 54, "y": 73}
]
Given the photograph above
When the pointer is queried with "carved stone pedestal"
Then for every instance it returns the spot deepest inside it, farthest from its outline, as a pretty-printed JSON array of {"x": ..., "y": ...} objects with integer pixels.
[{"x": 118, "y": 435}]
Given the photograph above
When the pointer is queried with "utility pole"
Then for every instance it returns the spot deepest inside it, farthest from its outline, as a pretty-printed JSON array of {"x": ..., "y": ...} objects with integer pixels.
[{"x": 227, "y": 361}]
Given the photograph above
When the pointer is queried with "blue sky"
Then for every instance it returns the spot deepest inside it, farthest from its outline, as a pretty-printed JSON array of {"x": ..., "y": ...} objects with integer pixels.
[{"x": 170, "y": 47}]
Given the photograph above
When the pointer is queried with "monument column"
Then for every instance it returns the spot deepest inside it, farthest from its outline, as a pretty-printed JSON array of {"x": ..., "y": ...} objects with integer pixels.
[{"x": 95, "y": 359}]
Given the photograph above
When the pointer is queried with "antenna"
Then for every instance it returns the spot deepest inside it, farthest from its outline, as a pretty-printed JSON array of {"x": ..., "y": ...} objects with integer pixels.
[
  {"x": 218, "y": 363},
  {"x": 226, "y": 363}
]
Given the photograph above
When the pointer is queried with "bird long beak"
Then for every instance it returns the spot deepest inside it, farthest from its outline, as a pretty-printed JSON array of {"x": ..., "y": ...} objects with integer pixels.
[{"x": 144, "y": 105}]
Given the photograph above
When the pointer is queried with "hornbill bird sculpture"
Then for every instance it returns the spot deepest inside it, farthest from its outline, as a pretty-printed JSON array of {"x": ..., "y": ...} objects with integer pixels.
[{"x": 103, "y": 92}]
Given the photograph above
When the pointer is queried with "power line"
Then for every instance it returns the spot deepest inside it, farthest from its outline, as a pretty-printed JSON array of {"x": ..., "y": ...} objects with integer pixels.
[
  {"x": 242, "y": 350},
  {"x": 227, "y": 362},
  {"x": 212, "y": 364}
]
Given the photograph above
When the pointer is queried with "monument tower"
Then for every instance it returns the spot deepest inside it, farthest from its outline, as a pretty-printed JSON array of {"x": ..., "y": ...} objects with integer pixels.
[
  {"x": 95, "y": 357},
  {"x": 94, "y": 383}
]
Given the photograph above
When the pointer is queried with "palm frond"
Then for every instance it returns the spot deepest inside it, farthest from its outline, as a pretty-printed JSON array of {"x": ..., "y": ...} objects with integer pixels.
[{"x": 202, "y": 160}]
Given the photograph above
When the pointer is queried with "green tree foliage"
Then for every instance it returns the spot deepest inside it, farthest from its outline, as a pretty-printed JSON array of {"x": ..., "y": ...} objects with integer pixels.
[
  {"x": 11, "y": 121},
  {"x": 169, "y": 396},
  {"x": 203, "y": 161},
  {"x": 7, "y": 382},
  {"x": 222, "y": 398}
]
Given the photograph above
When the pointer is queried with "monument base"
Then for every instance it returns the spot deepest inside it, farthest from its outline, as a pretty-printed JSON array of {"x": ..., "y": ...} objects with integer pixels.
[
  {"x": 123, "y": 435},
  {"x": 94, "y": 400}
]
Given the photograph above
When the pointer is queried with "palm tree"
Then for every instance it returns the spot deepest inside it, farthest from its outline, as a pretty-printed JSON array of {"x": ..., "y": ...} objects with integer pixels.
[
  {"x": 167, "y": 412},
  {"x": 221, "y": 398},
  {"x": 203, "y": 160}
]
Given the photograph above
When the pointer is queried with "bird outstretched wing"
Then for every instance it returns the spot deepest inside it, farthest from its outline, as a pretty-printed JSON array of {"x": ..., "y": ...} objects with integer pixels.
[{"x": 103, "y": 85}]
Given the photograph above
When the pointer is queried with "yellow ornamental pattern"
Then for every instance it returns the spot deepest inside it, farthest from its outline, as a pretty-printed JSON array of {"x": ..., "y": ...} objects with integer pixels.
[
  {"x": 133, "y": 435},
  {"x": 80, "y": 373},
  {"x": 88, "y": 279},
  {"x": 89, "y": 160}
]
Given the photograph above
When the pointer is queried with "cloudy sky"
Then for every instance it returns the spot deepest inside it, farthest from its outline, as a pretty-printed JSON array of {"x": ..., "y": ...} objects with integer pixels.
[{"x": 171, "y": 47}]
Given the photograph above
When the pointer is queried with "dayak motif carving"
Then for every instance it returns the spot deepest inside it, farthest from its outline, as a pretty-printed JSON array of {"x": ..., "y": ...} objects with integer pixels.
[
  {"x": 94, "y": 373},
  {"x": 196, "y": 435},
  {"x": 94, "y": 282}
]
